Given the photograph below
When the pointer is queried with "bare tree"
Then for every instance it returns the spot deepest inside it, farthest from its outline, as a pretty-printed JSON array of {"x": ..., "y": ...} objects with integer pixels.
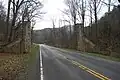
[
  {"x": 2, "y": 18},
  {"x": 2, "y": 12},
  {"x": 95, "y": 14},
  {"x": 109, "y": 2},
  {"x": 30, "y": 7},
  {"x": 71, "y": 10},
  {"x": 53, "y": 30},
  {"x": 96, "y": 7},
  {"x": 81, "y": 8},
  {"x": 91, "y": 16},
  {"x": 76, "y": 8},
  {"x": 8, "y": 15}
]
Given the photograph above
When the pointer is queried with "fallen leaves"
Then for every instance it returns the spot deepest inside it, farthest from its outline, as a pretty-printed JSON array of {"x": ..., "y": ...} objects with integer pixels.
[{"x": 11, "y": 65}]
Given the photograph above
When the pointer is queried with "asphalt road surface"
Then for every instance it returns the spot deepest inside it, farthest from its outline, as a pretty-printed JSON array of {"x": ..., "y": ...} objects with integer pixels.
[{"x": 58, "y": 64}]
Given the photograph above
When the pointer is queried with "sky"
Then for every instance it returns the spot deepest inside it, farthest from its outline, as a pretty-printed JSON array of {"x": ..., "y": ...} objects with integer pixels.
[{"x": 53, "y": 9}]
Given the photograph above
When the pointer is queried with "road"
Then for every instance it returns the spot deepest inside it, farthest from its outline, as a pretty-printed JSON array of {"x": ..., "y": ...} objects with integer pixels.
[{"x": 58, "y": 64}]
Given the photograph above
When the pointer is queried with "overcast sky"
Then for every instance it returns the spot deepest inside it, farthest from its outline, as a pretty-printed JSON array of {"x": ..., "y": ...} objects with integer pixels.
[{"x": 52, "y": 9}]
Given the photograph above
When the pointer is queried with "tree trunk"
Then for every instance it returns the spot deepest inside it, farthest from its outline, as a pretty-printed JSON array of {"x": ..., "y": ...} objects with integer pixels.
[
  {"x": 11, "y": 36},
  {"x": 7, "y": 21},
  {"x": 95, "y": 14},
  {"x": 90, "y": 20},
  {"x": 109, "y": 6}
]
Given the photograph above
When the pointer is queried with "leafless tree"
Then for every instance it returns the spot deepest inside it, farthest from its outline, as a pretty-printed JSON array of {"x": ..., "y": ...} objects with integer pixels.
[
  {"x": 2, "y": 18},
  {"x": 8, "y": 15},
  {"x": 109, "y": 4},
  {"x": 76, "y": 8},
  {"x": 91, "y": 16},
  {"x": 21, "y": 9},
  {"x": 53, "y": 20},
  {"x": 96, "y": 6},
  {"x": 2, "y": 12},
  {"x": 81, "y": 8},
  {"x": 71, "y": 10}
]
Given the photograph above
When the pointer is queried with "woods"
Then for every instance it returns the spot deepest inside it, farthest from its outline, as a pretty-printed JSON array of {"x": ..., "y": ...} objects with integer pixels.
[
  {"x": 82, "y": 23},
  {"x": 86, "y": 26},
  {"x": 97, "y": 36},
  {"x": 17, "y": 19},
  {"x": 17, "y": 22},
  {"x": 24, "y": 10}
]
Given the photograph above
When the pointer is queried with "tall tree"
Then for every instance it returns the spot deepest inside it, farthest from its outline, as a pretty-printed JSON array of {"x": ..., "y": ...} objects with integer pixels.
[
  {"x": 72, "y": 9},
  {"x": 15, "y": 7},
  {"x": 53, "y": 30},
  {"x": 2, "y": 12},
  {"x": 91, "y": 16},
  {"x": 109, "y": 6},
  {"x": 96, "y": 6},
  {"x": 2, "y": 19},
  {"x": 8, "y": 16},
  {"x": 81, "y": 8}
]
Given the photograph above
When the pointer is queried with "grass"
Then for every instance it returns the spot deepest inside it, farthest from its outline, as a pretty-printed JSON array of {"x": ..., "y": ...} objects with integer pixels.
[
  {"x": 104, "y": 56},
  {"x": 32, "y": 55},
  {"x": 69, "y": 49},
  {"x": 30, "y": 58},
  {"x": 13, "y": 64},
  {"x": 95, "y": 54}
]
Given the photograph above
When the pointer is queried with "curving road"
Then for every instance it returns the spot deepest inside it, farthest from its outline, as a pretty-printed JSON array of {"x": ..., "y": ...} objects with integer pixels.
[{"x": 58, "y": 64}]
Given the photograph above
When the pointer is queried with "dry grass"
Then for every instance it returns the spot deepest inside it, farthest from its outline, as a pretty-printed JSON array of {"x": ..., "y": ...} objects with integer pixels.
[{"x": 11, "y": 65}]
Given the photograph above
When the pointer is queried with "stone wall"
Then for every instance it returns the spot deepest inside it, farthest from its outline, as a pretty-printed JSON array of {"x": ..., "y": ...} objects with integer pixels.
[
  {"x": 83, "y": 43},
  {"x": 21, "y": 40},
  {"x": 27, "y": 38},
  {"x": 13, "y": 47}
]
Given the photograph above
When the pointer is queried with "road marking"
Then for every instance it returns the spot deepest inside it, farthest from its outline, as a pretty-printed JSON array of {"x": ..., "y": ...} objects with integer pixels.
[
  {"x": 94, "y": 73},
  {"x": 41, "y": 66},
  {"x": 98, "y": 75}
]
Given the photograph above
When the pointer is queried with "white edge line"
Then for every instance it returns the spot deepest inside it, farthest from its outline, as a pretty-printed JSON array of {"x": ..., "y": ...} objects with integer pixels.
[{"x": 41, "y": 66}]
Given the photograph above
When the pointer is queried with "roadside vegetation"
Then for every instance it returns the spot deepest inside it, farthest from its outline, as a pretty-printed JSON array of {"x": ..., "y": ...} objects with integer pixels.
[
  {"x": 12, "y": 65},
  {"x": 95, "y": 54},
  {"x": 101, "y": 35},
  {"x": 104, "y": 56}
]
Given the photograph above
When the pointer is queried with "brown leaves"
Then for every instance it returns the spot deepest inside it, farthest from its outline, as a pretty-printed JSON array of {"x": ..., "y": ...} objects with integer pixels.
[{"x": 12, "y": 65}]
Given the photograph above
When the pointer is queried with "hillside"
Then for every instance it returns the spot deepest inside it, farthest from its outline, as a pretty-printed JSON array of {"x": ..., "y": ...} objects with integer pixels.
[
  {"x": 107, "y": 40},
  {"x": 108, "y": 30},
  {"x": 57, "y": 36}
]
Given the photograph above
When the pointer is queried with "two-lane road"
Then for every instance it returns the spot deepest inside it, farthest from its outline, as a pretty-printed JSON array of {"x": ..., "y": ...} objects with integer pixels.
[{"x": 58, "y": 64}]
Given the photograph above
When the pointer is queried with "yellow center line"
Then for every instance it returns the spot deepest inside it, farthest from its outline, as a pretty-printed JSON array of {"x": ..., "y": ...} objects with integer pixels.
[{"x": 94, "y": 73}]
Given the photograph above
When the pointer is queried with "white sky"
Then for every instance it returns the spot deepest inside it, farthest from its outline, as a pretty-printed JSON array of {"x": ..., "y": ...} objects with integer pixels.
[{"x": 52, "y": 9}]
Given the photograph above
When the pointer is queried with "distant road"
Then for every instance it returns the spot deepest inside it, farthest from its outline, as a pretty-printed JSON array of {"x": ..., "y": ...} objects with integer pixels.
[{"x": 58, "y": 64}]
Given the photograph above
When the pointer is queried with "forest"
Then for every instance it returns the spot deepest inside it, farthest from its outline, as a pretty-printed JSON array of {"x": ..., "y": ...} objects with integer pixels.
[{"x": 102, "y": 32}]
